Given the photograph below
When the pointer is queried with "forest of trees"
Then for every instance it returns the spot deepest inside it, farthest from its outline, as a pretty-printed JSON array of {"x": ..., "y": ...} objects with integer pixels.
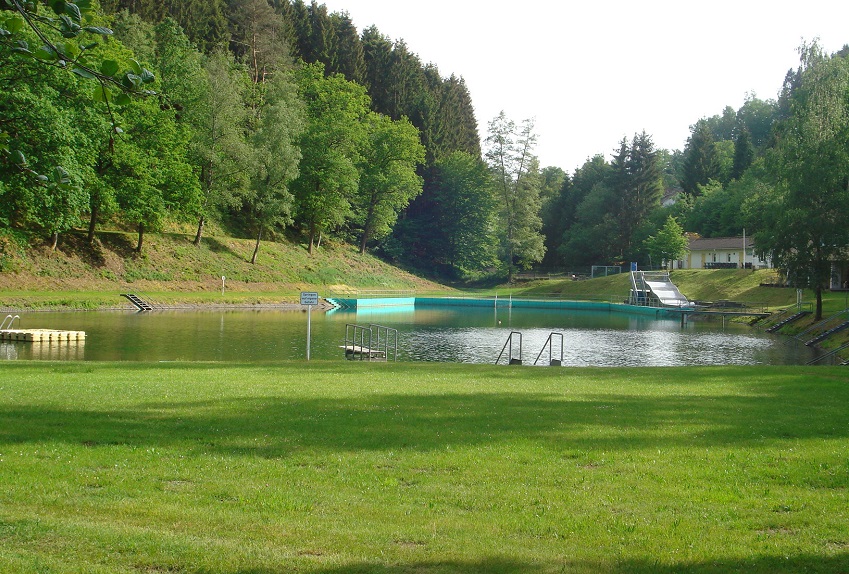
[{"x": 276, "y": 119}]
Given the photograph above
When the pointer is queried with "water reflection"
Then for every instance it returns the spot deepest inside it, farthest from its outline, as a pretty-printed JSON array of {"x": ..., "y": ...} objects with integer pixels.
[{"x": 469, "y": 335}]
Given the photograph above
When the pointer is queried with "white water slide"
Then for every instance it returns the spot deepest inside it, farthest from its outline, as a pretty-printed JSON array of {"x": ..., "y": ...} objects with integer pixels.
[{"x": 658, "y": 286}]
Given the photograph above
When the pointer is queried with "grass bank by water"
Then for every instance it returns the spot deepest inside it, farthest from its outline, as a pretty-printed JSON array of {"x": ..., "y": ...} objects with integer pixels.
[
  {"x": 396, "y": 468},
  {"x": 171, "y": 270}
]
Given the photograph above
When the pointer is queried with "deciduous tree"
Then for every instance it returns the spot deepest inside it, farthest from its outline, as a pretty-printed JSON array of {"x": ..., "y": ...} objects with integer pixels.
[
  {"x": 669, "y": 243},
  {"x": 463, "y": 230},
  {"x": 275, "y": 157},
  {"x": 223, "y": 155},
  {"x": 390, "y": 153},
  {"x": 330, "y": 143},
  {"x": 515, "y": 171},
  {"x": 804, "y": 226}
]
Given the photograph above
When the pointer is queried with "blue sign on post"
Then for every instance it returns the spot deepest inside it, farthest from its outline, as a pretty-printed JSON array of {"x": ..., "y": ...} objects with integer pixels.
[{"x": 633, "y": 265}]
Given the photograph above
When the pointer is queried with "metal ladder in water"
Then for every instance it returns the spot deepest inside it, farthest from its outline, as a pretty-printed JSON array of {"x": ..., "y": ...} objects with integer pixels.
[
  {"x": 549, "y": 343},
  {"x": 11, "y": 321},
  {"x": 139, "y": 303},
  {"x": 509, "y": 342},
  {"x": 510, "y": 345}
]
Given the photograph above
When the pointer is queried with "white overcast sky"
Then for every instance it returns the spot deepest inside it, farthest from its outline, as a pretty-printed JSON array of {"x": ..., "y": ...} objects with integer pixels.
[{"x": 592, "y": 72}]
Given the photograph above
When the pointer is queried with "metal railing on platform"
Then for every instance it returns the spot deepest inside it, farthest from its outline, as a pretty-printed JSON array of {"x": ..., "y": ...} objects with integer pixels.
[{"x": 370, "y": 342}]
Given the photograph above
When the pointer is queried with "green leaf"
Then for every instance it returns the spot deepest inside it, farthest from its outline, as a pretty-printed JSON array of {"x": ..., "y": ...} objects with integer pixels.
[
  {"x": 109, "y": 67},
  {"x": 68, "y": 50},
  {"x": 123, "y": 99},
  {"x": 15, "y": 24},
  {"x": 19, "y": 158},
  {"x": 73, "y": 11},
  {"x": 147, "y": 77},
  {"x": 61, "y": 176},
  {"x": 45, "y": 53},
  {"x": 101, "y": 94},
  {"x": 135, "y": 67},
  {"x": 131, "y": 81},
  {"x": 58, "y": 6},
  {"x": 68, "y": 27},
  {"x": 98, "y": 30},
  {"x": 83, "y": 73}
]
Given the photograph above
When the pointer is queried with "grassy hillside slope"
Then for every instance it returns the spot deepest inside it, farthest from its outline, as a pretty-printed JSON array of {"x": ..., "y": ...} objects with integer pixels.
[
  {"x": 172, "y": 269},
  {"x": 695, "y": 284}
]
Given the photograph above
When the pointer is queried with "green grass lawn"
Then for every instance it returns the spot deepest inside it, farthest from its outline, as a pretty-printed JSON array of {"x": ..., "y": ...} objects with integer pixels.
[{"x": 422, "y": 468}]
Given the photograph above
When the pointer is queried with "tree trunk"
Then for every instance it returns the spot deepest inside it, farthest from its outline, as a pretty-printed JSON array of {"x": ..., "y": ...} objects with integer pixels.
[
  {"x": 312, "y": 238},
  {"x": 199, "y": 233},
  {"x": 318, "y": 243},
  {"x": 141, "y": 238},
  {"x": 92, "y": 223},
  {"x": 367, "y": 228},
  {"x": 55, "y": 238},
  {"x": 256, "y": 247},
  {"x": 818, "y": 314}
]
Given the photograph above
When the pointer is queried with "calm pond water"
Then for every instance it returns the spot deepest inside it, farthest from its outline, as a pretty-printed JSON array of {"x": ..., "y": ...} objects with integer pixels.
[{"x": 468, "y": 334}]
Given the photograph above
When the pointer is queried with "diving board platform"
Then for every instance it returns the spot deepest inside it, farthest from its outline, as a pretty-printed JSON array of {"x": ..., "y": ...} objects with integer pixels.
[{"x": 363, "y": 352}]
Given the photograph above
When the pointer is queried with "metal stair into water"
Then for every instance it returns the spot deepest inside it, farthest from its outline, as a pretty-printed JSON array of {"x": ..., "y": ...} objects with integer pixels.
[
  {"x": 818, "y": 328},
  {"x": 139, "y": 303},
  {"x": 787, "y": 321},
  {"x": 827, "y": 334}
]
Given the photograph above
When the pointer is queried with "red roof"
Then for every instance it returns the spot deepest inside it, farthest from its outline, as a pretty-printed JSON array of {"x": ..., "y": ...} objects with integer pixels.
[{"x": 719, "y": 243}]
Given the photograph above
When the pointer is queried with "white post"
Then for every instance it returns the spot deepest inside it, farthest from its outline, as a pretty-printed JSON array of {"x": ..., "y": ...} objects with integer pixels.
[
  {"x": 222, "y": 284},
  {"x": 309, "y": 299},
  {"x": 309, "y": 328}
]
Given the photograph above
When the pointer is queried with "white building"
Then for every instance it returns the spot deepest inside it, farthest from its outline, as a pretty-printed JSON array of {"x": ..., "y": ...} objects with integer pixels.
[{"x": 722, "y": 253}]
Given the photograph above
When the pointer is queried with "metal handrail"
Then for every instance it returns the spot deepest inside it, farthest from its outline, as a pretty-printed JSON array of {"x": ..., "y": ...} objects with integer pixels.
[
  {"x": 828, "y": 355},
  {"x": 389, "y": 332},
  {"x": 510, "y": 359},
  {"x": 11, "y": 320},
  {"x": 359, "y": 339},
  {"x": 550, "y": 344},
  {"x": 816, "y": 326}
]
